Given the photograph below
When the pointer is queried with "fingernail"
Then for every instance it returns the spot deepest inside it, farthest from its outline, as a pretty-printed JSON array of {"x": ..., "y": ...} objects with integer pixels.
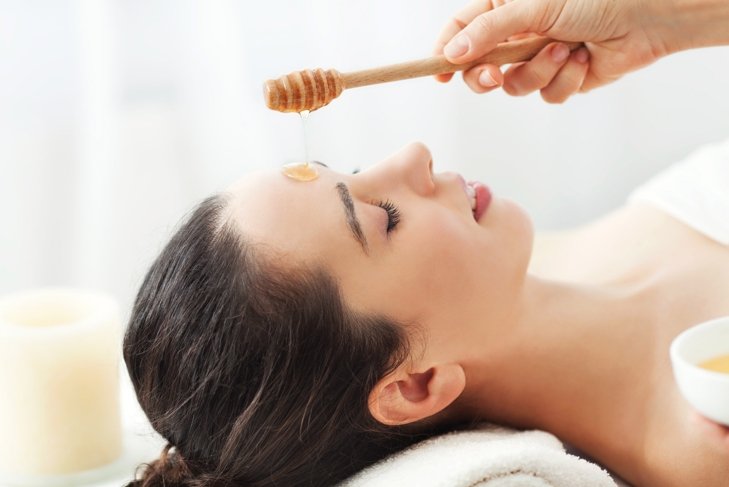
[
  {"x": 486, "y": 80},
  {"x": 582, "y": 55},
  {"x": 560, "y": 53},
  {"x": 458, "y": 46}
]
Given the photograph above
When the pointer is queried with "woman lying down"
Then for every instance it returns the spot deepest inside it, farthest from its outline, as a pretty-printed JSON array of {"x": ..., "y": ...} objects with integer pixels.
[{"x": 292, "y": 333}]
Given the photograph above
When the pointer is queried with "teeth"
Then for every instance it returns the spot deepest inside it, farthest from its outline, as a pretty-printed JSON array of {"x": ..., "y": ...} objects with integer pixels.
[{"x": 471, "y": 195}]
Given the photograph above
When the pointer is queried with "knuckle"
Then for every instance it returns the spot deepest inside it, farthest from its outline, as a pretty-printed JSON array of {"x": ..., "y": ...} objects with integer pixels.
[
  {"x": 455, "y": 24},
  {"x": 482, "y": 24},
  {"x": 513, "y": 89},
  {"x": 539, "y": 78},
  {"x": 476, "y": 88},
  {"x": 554, "y": 98},
  {"x": 472, "y": 83},
  {"x": 529, "y": 79},
  {"x": 509, "y": 88}
]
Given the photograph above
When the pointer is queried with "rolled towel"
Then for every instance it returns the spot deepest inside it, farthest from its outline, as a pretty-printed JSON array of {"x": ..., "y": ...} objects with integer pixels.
[{"x": 489, "y": 456}]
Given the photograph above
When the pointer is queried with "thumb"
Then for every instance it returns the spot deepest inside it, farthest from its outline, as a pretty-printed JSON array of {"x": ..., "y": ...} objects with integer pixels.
[{"x": 493, "y": 26}]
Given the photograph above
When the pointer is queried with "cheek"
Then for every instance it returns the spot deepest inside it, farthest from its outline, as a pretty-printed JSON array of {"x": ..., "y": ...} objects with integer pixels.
[
  {"x": 425, "y": 270},
  {"x": 449, "y": 238},
  {"x": 448, "y": 252},
  {"x": 460, "y": 260}
]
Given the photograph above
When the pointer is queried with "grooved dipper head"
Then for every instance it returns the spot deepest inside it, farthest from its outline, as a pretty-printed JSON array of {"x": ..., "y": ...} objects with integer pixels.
[{"x": 302, "y": 90}]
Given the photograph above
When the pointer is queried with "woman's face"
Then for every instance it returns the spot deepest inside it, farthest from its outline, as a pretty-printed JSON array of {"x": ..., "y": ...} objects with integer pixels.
[{"x": 436, "y": 267}]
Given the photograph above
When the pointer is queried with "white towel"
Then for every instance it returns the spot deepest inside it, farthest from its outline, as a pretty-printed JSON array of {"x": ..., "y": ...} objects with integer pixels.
[
  {"x": 694, "y": 190},
  {"x": 490, "y": 456}
]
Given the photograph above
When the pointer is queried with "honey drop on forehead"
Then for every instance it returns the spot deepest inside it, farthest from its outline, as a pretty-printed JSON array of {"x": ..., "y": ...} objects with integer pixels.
[{"x": 300, "y": 171}]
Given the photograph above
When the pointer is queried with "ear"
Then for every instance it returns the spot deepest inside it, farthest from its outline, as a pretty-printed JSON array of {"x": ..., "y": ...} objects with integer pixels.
[{"x": 405, "y": 397}]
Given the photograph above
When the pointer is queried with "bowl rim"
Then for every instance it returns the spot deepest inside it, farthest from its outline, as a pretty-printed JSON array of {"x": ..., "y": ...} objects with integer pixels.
[{"x": 685, "y": 335}]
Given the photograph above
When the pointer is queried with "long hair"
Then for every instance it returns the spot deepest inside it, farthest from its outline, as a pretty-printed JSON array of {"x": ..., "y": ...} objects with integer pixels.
[{"x": 256, "y": 373}]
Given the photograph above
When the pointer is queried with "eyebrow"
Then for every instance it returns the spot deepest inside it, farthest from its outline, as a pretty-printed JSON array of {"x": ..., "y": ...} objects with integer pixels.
[
  {"x": 320, "y": 163},
  {"x": 352, "y": 220}
]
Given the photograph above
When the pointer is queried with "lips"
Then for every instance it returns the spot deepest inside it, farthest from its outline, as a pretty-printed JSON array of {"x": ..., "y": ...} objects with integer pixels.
[{"x": 482, "y": 198}]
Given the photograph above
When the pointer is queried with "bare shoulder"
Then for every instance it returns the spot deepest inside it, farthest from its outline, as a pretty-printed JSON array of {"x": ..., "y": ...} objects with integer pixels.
[{"x": 622, "y": 245}]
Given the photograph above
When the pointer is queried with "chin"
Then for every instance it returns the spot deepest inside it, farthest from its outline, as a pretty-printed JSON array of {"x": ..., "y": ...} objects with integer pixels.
[
  {"x": 503, "y": 211},
  {"x": 518, "y": 229}
]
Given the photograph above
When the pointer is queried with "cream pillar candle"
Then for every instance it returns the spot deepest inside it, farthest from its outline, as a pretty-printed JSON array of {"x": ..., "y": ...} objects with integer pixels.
[{"x": 59, "y": 382}]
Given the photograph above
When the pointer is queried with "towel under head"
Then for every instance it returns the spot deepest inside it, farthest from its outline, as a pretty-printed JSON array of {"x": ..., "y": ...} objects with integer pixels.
[{"x": 489, "y": 456}]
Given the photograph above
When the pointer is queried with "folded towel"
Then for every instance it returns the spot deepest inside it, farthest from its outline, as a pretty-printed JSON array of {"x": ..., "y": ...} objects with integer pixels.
[{"x": 489, "y": 456}]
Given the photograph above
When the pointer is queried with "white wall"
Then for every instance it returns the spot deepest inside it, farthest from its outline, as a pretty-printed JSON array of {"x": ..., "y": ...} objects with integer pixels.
[{"x": 117, "y": 116}]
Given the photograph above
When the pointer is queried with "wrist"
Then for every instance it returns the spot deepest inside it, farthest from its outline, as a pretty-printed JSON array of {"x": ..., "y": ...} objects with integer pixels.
[{"x": 688, "y": 24}]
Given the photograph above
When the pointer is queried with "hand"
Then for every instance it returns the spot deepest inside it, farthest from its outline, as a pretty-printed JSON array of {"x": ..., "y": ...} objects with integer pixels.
[
  {"x": 716, "y": 431},
  {"x": 619, "y": 36}
]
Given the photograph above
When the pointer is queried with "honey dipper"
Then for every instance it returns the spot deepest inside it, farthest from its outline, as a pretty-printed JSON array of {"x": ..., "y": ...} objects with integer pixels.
[{"x": 311, "y": 89}]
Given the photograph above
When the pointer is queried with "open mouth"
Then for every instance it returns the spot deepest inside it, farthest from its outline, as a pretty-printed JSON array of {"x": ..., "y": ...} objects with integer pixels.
[{"x": 479, "y": 196}]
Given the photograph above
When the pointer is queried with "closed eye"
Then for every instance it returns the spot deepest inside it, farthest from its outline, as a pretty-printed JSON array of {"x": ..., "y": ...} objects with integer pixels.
[{"x": 393, "y": 213}]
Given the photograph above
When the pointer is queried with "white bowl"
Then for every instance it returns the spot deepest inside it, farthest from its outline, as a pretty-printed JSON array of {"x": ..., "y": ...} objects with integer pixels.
[{"x": 707, "y": 391}]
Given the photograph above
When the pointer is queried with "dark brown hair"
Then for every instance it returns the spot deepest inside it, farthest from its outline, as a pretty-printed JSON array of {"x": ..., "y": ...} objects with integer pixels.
[{"x": 256, "y": 374}]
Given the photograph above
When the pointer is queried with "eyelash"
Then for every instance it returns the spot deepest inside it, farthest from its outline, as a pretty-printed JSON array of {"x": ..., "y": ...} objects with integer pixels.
[{"x": 393, "y": 214}]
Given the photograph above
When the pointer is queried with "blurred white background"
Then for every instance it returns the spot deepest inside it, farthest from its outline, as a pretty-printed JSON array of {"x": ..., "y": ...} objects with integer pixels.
[{"x": 117, "y": 116}]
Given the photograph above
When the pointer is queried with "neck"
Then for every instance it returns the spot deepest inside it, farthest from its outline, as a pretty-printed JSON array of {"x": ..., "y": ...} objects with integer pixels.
[{"x": 566, "y": 354}]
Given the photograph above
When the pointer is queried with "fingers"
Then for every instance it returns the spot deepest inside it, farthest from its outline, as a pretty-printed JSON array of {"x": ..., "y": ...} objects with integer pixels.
[
  {"x": 597, "y": 78},
  {"x": 521, "y": 79},
  {"x": 523, "y": 35},
  {"x": 483, "y": 78},
  {"x": 485, "y": 30},
  {"x": 461, "y": 19},
  {"x": 569, "y": 79},
  {"x": 555, "y": 71},
  {"x": 443, "y": 78},
  {"x": 455, "y": 25}
]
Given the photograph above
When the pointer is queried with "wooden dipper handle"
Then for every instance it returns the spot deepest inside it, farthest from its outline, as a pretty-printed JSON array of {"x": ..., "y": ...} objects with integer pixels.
[{"x": 312, "y": 89}]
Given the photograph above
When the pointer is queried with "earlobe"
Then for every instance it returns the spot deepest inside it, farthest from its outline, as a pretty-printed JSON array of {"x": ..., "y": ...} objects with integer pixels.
[{"x": 405, "y": 397}]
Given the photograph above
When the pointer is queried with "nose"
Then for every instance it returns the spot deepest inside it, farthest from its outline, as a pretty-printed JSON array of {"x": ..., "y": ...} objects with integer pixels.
[{"x": 411, "y": 166}]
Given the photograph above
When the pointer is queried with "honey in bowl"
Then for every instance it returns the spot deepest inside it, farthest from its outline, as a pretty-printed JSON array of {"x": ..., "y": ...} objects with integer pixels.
[{"x": 717, "y": 364}]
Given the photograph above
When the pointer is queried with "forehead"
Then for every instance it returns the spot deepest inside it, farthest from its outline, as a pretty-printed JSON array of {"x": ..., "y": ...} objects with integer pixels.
[{"x": 301, "y": 218}]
